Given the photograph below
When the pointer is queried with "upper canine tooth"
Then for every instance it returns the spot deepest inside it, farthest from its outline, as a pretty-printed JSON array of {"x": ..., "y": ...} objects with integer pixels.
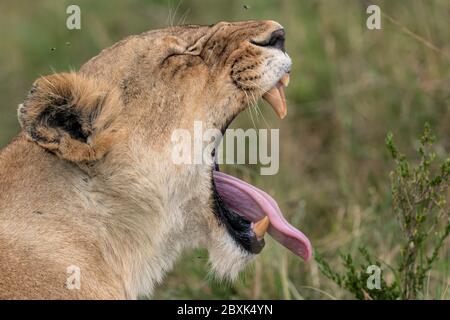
[
  {"x": 285, "y": 79},
  {"x": 260, "y": 227},
  {"x": 275, "y": 97}
]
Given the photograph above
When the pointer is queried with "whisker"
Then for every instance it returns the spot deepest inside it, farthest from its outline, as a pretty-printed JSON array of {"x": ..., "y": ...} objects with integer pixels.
[
  {"x": 251, "y": 116},
  {"x": 182, "y": 20},
  {"x": 175, "y": 12},
  {"x": 258, "y": 109}
]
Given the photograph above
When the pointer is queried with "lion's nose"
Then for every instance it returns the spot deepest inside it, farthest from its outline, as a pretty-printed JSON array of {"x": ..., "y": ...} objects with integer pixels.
[
  {"x": 274, "y": 39},
  {"x": 277, "y": 39}
]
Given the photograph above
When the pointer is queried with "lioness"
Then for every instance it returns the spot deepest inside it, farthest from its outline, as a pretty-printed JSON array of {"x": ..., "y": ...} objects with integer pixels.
[{"x": 89, "y": 185}]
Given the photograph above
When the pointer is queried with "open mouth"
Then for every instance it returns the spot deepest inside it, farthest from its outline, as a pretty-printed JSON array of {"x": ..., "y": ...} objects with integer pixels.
[{"x": 248, "y": 212}]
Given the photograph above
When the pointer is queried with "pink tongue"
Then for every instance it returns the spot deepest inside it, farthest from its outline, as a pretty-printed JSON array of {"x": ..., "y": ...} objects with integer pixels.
[{"x": 254, "y": 204}]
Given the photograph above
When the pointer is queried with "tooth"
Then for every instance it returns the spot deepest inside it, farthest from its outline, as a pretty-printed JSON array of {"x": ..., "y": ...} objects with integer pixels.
[
  {"x": 283, "y": 111},
  {"x": 277, "y": 100},
  {"x": 261, "y": 227},
  {"x": 285, "y": 79}
]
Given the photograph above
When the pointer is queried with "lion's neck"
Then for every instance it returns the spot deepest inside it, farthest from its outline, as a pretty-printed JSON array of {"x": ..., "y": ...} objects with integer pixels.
[{"x": 152, "y": 215}]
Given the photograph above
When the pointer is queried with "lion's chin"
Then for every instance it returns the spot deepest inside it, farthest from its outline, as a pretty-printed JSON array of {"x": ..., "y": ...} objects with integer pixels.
[{"x": 226, "y": 258}]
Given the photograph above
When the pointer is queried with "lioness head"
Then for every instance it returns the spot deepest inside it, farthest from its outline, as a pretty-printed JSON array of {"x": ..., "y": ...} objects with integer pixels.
[{"x": 114, "y": 119}]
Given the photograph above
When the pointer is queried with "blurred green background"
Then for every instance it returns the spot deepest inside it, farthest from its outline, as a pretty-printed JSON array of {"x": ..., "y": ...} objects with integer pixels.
[{"x": 349, "y": 87}]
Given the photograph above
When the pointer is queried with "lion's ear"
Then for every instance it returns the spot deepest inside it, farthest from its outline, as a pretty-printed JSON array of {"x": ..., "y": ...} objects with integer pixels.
[{"x": 72, "y": 116}]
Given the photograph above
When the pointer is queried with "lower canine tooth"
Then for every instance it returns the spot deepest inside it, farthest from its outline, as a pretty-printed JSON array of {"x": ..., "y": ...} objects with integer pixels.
[{"x": 260, "y": 227}]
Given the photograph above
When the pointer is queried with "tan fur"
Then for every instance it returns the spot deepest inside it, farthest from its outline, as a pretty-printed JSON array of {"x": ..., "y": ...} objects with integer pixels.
[{"x": 99, "y": 190}]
